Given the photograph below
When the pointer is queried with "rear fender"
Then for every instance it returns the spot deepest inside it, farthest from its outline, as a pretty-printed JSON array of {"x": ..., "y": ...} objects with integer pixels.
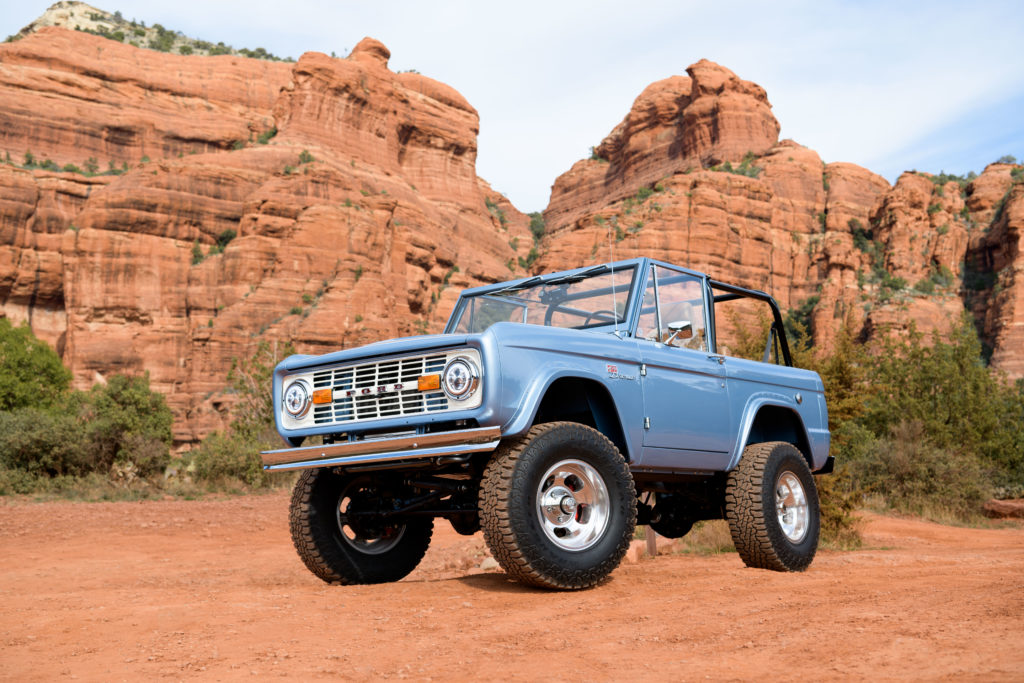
[{"x": 772, "y": 417}]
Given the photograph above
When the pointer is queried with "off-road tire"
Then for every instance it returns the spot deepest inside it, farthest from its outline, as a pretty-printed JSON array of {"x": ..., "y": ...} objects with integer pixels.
[
  {"x": 318, "y": 537},
  {"x": 750, "y": 508},
  {"x": 511, "y": 517}
]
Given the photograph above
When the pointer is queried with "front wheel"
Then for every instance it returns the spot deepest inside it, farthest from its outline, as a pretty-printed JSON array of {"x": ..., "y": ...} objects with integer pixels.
[
  {"x": 558, "y": 506},
  {"x": 342, "y": 531},
  {"x": 771, "y": 504}
]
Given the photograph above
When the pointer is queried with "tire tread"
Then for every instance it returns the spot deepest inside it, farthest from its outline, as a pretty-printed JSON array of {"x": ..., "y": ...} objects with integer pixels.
[
  {"x": 517, "y": 555},
  {"x": 756, "y": 536}
]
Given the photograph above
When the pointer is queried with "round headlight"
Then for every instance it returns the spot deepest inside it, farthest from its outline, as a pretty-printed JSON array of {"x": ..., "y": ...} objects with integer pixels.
[
  {"x": 296, "y": 399},
  {"x": 460, "y": 379}
]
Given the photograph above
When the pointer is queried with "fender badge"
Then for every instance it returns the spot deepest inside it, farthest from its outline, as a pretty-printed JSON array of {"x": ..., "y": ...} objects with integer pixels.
[{"x": 613, "y": 372}]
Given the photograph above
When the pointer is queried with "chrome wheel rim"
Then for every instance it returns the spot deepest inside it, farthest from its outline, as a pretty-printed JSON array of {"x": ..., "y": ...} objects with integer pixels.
[
  {"x": 573, "y": 505},
  {"x": 352, "y": 534},
  {"x": 791, "y": 507}
]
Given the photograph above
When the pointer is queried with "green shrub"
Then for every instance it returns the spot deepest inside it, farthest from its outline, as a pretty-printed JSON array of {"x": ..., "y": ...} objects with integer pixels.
[
  {"x": 43, "y": 442},
  {"x": 305, "y": 157},
  {"x": 963, "y": 408},
  {"x": 916, "y": 476},
  {"x": 222, "y": 458},
  {"x": 531, "y": 258},
  {"x": 225, "y": 237},
  {"x": 31, "y": 373},
  {"x": 925, "y": 286},
  {"x": 537, "y": 226},
  {"x": 801, "y": 315},
  {"x": 127, "y": 423},
  {"x": 746, "y": 167}
]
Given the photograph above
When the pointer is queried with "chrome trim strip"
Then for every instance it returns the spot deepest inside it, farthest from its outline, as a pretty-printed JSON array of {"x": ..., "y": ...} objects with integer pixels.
[{"x": 383, "y": 450}]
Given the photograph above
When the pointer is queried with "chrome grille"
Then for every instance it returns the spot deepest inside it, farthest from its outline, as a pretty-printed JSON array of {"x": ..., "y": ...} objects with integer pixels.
[{"x": 373, "y": 376}]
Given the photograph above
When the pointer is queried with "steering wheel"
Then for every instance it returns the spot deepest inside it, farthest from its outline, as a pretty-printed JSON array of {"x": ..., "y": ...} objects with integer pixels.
[{"x": 612, "y": 314}]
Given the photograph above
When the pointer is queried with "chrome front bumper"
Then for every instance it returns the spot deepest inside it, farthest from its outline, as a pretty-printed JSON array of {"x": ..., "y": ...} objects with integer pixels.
[{"x": 414, "y": 447}]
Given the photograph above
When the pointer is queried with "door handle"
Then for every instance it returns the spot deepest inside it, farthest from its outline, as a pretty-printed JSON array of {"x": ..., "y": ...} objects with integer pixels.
[{"x": 720, "y": 359}]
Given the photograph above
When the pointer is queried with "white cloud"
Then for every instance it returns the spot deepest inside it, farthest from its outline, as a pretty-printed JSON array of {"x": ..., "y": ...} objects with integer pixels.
[{"x": 857, "y": 81}]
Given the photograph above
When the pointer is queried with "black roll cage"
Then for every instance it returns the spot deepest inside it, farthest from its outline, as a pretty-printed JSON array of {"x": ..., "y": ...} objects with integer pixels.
[{"x": 777, "y": 333}]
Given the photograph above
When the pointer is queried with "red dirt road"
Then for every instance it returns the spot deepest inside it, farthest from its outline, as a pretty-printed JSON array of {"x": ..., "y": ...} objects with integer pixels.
[{"x": 212, "y": 590}]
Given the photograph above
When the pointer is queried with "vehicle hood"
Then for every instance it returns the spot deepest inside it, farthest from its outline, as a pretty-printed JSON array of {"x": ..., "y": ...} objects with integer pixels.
[{"x": 388, "y": 347}]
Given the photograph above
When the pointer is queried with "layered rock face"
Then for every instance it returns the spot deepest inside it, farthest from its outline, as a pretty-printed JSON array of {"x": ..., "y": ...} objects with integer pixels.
[
  {"x": 994, "y": 277},
  {"x": 695, "y": 174},
  {"x": 360, "y": 220},
  {"x": 363, "y": 216},
  {"x": 675, "y": 124},
  {"x": 70, "y": 96}
]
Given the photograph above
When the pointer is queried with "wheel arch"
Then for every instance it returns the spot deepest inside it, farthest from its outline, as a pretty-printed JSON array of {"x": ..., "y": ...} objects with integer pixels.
[
  {"x": 583, "y": 400},
  {"x": 768, "y": 421}
]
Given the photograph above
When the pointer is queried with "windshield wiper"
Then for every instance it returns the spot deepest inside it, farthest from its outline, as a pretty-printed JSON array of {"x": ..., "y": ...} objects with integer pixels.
[
  {"x": 566, "y": 279},
  {"x": 536, "y": 279}
]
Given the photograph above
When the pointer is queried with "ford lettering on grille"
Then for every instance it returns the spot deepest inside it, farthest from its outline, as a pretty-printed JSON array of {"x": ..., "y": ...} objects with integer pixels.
[
  {"x": 369, "y": 391},
  {"x": 373, "y": 391}
]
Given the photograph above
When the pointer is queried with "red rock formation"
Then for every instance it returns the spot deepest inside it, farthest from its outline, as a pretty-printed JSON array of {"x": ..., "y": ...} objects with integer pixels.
[
  {"x": 994, "y": 285},
  {"x": 832, "y": 239},
  {"x": 69, "y": 96},
  {"x": 675, "y": 124},
  {"x": 361, "y": 219},
  {"x": 364, "y": 216}
]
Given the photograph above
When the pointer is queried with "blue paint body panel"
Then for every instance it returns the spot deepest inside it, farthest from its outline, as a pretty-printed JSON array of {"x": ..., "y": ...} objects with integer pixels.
[{"x": 679, "y": 409}]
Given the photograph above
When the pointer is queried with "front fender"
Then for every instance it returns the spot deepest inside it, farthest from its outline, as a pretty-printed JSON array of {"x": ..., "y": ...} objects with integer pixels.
[
  {"x": 533, "y": 358},
  {"x": 522, "y": 419}
]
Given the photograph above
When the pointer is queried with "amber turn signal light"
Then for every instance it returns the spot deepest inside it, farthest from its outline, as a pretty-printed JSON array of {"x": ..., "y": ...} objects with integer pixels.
[
  {"x": 428, "y": 382},
  {"x": 323, "y": 396}
]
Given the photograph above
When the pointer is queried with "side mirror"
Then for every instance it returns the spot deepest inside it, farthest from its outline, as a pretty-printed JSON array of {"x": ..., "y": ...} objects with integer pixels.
[
  {"x": 680, "y": 328},
  {"x": 683, "y": 327}
]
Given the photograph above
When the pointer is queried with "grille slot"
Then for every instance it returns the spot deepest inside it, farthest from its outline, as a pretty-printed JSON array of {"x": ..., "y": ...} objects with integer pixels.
[{"x": 375, "y": 404}]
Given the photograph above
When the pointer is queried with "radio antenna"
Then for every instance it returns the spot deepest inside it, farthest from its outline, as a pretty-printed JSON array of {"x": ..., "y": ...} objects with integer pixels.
[{"x": 611, "y": 255}]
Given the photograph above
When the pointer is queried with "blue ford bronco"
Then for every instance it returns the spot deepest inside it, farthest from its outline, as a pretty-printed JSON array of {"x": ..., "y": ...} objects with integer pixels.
[{"x": 555, "y": 412}]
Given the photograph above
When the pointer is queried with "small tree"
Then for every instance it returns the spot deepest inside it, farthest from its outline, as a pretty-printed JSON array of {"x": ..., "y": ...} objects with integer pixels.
[
  {"x": 128, "y": 423},
  {"x": 31, "y": 373},
  {"x": 251, "y": 379}
]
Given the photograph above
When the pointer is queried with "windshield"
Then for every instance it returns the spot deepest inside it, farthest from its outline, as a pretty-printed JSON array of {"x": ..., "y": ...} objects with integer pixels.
[{"x": 594, "y": 298}]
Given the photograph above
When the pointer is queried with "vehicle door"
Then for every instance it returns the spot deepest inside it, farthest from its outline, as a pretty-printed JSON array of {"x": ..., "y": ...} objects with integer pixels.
[{"x": 687, "y": 424}]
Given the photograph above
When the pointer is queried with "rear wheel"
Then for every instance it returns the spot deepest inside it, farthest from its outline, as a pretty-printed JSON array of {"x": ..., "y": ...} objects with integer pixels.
[
  {"x": 558, "y": 506},
  {"x": 772, "y": 507},
  {"x": 342, "y": 532}
]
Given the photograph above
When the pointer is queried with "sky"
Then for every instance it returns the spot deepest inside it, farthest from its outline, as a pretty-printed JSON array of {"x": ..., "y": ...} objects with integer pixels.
[{"x": 891, "y": 86}]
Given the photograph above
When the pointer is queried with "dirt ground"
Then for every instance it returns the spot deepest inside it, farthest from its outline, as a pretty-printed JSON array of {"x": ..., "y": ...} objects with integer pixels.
[{"x": 212, "y": 590}]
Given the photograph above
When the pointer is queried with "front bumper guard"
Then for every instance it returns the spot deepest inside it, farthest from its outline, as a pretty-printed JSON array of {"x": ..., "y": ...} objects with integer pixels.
[{"x": 416, "y": 447}]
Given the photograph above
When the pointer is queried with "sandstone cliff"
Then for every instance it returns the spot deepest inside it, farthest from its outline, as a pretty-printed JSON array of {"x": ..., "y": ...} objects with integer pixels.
[
  {"x": 696, "y": 174},
  {"x": 332, "y": 202},
  {"x": 360, "y": 219}
]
